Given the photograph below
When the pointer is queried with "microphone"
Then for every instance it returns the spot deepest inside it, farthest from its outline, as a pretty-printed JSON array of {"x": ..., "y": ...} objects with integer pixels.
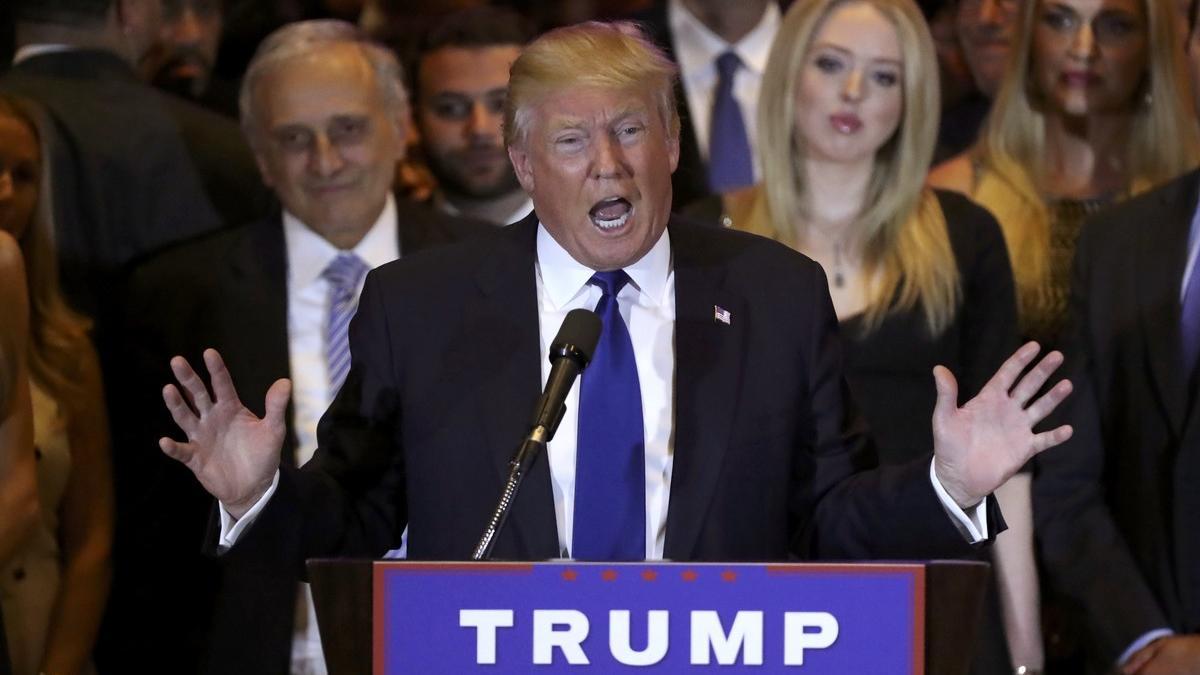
[{"x": 570, "y": 353}]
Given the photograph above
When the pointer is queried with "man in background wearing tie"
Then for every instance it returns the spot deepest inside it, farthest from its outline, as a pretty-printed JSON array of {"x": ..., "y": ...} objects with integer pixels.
[
  {"x": 712, "y": 424},
  {"x": 326, "y": 114},
  {"x": 721, "y": 49}
]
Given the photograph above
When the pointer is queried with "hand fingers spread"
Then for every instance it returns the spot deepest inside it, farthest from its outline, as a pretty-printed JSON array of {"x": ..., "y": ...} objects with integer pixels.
[
  {"x": 1045, "y": 405},
  {"x": 1049, "y": 439},
  {"x": 222, "y": 383},
  {"x": 1008, "y": 373},
  {"x": 1032, "y": 383},
  {"x": 193, "y": 386},
  {"x": 180, "y": 412}
]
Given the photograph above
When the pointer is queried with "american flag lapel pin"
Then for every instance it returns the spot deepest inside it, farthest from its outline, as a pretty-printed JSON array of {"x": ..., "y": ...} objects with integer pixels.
[{"x": 721, "y": 314}]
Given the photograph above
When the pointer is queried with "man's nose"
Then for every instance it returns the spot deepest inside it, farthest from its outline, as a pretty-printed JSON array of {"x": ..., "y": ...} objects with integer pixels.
[
  {"x": 608, "y": 159},
  {"x": 6, "y": 185},
  {"x": 482, "y": 122},
  {"x": 187, "y": 28},
  {"x": 325, "y": 159}
]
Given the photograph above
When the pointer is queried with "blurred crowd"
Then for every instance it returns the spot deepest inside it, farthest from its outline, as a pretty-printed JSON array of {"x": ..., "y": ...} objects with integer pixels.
[{"x": 184, "y": 174}]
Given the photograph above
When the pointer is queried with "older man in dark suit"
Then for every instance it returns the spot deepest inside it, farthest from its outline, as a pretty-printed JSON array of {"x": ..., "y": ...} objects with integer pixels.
[
  {"x": 713, "y": 422},
  {"x": 327, "y": 116}
]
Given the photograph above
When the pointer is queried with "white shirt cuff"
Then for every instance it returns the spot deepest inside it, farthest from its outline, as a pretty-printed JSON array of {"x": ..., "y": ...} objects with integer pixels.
[
  {"x": 971, "y": 523},
  {"x": 1144, "y": 640},
  {"x": 231, "y": 530}
]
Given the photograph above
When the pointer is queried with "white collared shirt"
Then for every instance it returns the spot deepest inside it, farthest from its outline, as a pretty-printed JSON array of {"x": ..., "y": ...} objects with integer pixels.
[
  {"x": 523, "y": 210},
  {"x": 29, "y": 51},
  {"x": 696, "y": 52},
  {"x": 308, "y": 254},
  {"x": 648, "y": 307}
]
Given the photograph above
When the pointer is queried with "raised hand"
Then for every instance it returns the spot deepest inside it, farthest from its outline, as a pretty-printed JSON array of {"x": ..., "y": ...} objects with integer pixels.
[
  {"x": 981, "y": 445},
  {"x": 231, "y": 451}
]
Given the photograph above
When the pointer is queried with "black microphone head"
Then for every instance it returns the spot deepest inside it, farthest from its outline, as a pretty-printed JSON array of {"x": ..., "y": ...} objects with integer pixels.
[{"x": 577, "y": 337}]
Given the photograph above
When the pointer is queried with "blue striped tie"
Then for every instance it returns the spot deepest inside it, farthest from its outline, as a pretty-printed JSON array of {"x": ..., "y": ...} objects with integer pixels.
[
  {"x": 344, "y": 275},
  {"x": 610, "y": 457},
  {"x": 730, "y": 162}
]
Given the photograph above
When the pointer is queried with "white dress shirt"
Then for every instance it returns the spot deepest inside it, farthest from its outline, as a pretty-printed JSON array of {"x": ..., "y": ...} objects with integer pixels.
[
  {"x": 696, "y": 52},
  {"x": 648, "y": 308}
]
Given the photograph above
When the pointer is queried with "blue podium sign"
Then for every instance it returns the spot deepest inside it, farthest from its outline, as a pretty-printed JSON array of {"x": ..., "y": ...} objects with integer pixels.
[{"x": 863, "y": 619}]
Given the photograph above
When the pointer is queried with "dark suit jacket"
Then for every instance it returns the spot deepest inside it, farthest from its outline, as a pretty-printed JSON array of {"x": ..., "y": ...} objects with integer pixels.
[
  {"x": 445, "y": 375},
  {"x": 227, "y": 291},
  {"x": 690, "y": 181},
  {"x": 1116, "y": 507},
  {"x": 124, "y": 182}
]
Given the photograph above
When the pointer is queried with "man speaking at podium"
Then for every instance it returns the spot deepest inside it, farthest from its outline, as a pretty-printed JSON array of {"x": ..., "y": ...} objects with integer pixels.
[{"x": 714, "y": 423}]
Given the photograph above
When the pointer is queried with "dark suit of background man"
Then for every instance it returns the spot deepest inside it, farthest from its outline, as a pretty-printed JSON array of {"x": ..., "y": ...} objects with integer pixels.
[
  {"x": 1116, "y": 508},
  {"x": 745, "y": 445},
  {"x": 134, "y": 169},
  {"x": 695, "y": 34},
  {"x": 327, "y": 118}
]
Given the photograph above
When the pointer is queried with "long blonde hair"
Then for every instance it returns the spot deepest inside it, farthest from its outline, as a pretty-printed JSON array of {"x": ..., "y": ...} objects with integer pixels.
[
  {"x": 58, "y": 335},
  {"x": 906, "y": 248},
  {"x": 1011, "y": 150}
]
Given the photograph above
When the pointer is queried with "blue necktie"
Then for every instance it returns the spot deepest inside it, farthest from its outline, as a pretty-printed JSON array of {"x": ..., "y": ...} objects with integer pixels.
[
  {"x": 729, "y": 160},
  {"x": 1189, "y": 324},
  {"x": 343, "y": 274},
  {"x": 610, "y": 457}
]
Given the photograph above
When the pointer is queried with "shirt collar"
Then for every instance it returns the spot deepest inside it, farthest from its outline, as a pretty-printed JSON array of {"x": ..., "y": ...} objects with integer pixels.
[
  {"x": 523, "y": 210},
  {"x": 697, "y": 47},
  {"x": 309, "y": 253},
  {"x": 563, "y": 277},
  {"x": 30, "y": 51}
]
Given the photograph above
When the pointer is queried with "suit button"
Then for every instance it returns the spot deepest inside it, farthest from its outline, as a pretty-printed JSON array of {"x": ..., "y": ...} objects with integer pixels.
[{"x": 19, "y": 574}]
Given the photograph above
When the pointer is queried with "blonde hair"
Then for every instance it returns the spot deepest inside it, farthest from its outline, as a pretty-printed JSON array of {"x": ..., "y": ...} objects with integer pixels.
[
  {"x": 906, "y": 248},
  {"x": 58, "y": 335},
  {"x": 1011, "y": 150},
  {"x": 615, "y": 56}
]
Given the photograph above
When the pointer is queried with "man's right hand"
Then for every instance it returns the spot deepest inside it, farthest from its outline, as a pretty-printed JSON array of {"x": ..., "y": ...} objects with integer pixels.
[{"x": 231, "y": 451}]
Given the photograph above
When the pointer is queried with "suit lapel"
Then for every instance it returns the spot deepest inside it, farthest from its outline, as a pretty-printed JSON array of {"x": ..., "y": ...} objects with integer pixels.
[
  {"x": 259, "y": 266},
  {"x": 708, "y": 366},
  {"x": 508, "y": 305},
  {"x": 1161, "y": 257}
]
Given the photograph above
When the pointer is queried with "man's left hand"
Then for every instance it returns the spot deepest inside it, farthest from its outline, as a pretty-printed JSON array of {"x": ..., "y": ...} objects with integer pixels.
[{"x": 981, "y": 445}]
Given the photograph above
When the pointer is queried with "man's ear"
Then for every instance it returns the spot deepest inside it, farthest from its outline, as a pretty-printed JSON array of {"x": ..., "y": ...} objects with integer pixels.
[
  {"x": 673, "y": 151},
  {"x": 522, "y": 165}
]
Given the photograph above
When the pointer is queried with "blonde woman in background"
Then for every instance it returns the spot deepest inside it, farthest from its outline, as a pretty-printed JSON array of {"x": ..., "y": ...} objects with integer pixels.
[
  {"x": 53, "y": 588},
  {"x": 847, "y": 123},
  {"x": 18, "y": 484},
  {"x": 1094, "y": 108}
]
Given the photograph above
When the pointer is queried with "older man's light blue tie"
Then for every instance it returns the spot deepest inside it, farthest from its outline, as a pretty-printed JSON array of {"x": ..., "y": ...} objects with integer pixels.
[
  {"x": 610, "y": 457},
  {"x": 730, "y": 163},
  {"x": 344, "y": 275}
]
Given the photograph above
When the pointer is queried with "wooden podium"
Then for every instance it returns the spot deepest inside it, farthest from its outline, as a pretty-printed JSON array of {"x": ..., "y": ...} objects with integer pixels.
[{"x": 388, "y": 617}]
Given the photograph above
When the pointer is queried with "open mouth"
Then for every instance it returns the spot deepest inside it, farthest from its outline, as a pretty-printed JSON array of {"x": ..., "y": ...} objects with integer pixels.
[{"x": 611, "y": 213}]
